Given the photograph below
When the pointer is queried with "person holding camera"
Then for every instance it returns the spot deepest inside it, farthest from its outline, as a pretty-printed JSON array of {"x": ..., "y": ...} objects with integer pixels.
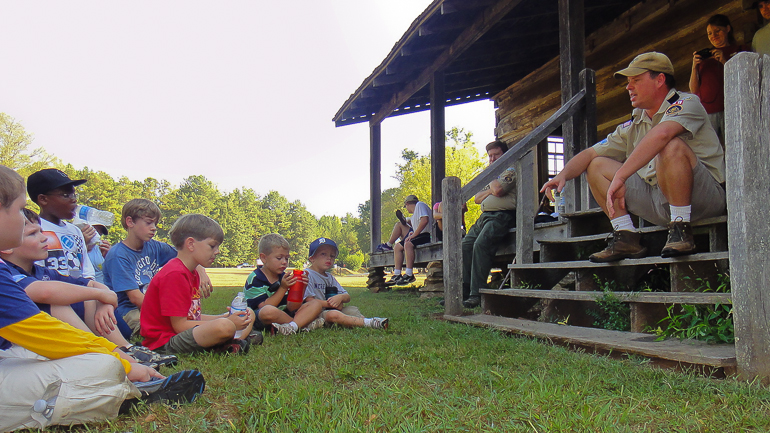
[{"x": 707, "y": 79}]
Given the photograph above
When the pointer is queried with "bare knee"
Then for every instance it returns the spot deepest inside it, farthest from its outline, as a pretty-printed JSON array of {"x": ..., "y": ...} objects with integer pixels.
[
  {"x": 676, "y": 151},
  {"x": 333, "y": 316},
  {"x": 223, "y": 328}
]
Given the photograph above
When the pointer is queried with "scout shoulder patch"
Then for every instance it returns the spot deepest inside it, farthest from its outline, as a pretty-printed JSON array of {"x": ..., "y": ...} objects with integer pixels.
[
  {"x": 673, "y": 109},
  {"x": 626, "y": 124}
]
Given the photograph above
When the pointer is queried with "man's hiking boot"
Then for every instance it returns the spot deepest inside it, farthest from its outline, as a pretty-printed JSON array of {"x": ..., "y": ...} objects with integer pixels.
[
  {"x": 282, "y": 329},
  {"x": 680, "y": 240},
  {"x": 406, "y": 280},
  {"x": 315, "y": 324},
  {"x": 472, "y": 301},
  {"x": 379, "y": 323},
  {"x": 145, "y": 355},
  {"x": 182, "y": 387},
  {"x": 400, "y": 216},
  {"x": 623, "y": 244}
]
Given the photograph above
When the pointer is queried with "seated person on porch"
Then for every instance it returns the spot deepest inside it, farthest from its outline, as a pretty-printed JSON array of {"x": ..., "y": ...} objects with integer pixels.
[
  {"x": 498, "y": 215},
  {"x": 651, "y": 165},
  {"x": 414, "y": 232},
  {"x": 761, "y": 41},
  {"x": 438, "y": 217}
]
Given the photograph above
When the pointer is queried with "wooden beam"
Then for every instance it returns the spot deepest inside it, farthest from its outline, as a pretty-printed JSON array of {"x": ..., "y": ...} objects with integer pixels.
[
  {"x": 375, "y": 187},
  {"x": 525, "y": 145},
  {"x": 485, "y": 21},
  {"x": 453, "y": 256},
  {"x": 437, "y": 135},
  {"x": 747, "y": 103}
]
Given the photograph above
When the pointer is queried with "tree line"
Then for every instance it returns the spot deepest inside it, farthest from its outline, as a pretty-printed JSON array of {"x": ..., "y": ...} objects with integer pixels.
[{"x": 244, "y": 215}]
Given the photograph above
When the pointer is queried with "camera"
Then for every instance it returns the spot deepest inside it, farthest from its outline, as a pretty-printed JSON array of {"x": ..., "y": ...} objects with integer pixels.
[{"x": 704, "y": 53}]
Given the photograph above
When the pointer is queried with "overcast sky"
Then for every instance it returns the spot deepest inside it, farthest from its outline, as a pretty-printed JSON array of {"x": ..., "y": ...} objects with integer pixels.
[{"x": 242, "y": 92}]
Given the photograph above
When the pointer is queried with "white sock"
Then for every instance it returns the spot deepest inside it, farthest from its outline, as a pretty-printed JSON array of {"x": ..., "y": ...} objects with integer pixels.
[
  {"x": 367, "y": 322},
  {"x": 408, "y": 271},
  {"x": 623, "y": 223},
  {"x": 294, "y": 326},
  {"x": 396, "y": 272},
  {"x": 680, "y": 212},
  {"x": 389, "y": 244}
]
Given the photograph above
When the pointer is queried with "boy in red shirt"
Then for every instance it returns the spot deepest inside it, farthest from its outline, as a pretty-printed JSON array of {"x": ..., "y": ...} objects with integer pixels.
[{"x": 171, "y": 319}]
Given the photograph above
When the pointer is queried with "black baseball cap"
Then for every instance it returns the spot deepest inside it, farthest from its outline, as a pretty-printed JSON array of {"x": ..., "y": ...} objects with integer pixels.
[{"x": 49, "y": 179}]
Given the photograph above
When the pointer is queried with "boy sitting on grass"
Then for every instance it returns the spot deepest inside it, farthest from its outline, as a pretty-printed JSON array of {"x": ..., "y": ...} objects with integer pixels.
[
  {"x": 267, "y": 287},
  {"x": 131, "y": 264},
  {"x": 80, "y": 377},
  {"x": 171, "y": 319},
  {"x": 323, "y": 286},
  {"x": 80, "y": 302}
]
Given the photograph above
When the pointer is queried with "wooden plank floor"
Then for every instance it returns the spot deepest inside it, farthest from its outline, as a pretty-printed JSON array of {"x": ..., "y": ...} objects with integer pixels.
[{"x": 689, "y": 353}]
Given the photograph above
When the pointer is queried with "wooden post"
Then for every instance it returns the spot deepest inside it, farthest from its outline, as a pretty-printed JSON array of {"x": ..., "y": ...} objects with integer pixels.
[
  {"x": 437, "y": 135},
  {"x": 375, "y": 188},
  {"x": 587, "y": 134},
  {"x": 747, "y": 127},
  {"x": 572, "y": 61},
  {"x": 452, "y": 247},
  {"x": 526, "y": 205}
]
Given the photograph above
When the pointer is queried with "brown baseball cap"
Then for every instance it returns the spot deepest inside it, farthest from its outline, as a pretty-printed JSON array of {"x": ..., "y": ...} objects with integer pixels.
[
  {"x": 411, "y": 198},
  {"x": 652, "y": 61}
]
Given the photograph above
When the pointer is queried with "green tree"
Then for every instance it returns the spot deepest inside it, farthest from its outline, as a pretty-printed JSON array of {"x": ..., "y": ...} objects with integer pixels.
[{"x": 14, "y": 149}]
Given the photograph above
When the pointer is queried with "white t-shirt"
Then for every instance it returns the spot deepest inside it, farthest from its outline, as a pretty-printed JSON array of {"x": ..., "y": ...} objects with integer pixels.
[
  {"x": 420, "y": 210},
  {"x": 66, "y": 249}
]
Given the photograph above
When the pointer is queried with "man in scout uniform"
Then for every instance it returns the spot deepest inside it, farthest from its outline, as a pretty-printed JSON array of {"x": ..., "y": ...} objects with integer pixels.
[{"x": 665, "y": 164}]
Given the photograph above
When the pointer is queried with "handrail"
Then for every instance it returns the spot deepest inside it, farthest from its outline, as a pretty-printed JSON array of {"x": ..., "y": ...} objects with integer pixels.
[{"x": 524, "y": 145}]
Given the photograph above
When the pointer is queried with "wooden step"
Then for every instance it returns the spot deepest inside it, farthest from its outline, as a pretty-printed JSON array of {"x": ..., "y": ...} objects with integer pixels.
[
  {"x": 584, "y": 264},
  {"x": 712, "y": 358},
  {"x": 640, "y": 297}
]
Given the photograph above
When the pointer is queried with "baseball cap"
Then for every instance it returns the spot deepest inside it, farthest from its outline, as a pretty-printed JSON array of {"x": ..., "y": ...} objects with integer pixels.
[
  {"x": 411, "y": 198},
  {"x": 322, "y": 241},
  {"x": 652, "y": 61},
  {"x": 40, "y": 182}
]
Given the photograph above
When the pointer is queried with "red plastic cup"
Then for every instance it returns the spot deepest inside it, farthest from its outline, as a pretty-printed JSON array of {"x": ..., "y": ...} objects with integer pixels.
[{"x": 297, "y": 290}]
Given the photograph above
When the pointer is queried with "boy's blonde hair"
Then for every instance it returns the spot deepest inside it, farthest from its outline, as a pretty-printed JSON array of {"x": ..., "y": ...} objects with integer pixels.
[
  {"x": 270, "y": 241},
  {"x": 196, "y": 226},
  {"x": 139, "y": 208},
  {"x": 11, "y": 186},
  {"x": 31, "y": 216}
]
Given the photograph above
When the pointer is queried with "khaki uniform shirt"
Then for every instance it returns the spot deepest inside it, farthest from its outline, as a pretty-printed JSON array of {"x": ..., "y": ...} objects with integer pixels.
[
  {"x": 682, "y": 108},
  {"x": 492, "y": 203}
]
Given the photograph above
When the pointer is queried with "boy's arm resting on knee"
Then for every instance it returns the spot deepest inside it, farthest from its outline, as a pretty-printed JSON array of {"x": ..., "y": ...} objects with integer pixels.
[
  {"x": 61, "y": 293},
  {"x": 55, "y": 339}
]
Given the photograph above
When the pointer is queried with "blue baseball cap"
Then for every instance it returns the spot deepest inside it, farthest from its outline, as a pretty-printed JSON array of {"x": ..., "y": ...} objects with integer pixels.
[{"x": 322, "y": 241}]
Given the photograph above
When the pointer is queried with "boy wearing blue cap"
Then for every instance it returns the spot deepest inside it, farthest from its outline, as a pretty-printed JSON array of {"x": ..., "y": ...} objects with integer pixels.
[{"x": 323, "y": 286}]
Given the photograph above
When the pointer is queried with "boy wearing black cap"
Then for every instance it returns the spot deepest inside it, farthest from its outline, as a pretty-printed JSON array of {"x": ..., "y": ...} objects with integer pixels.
[
  {"x": 54, "y": 192},
  {"x": 323, "y": 286}
]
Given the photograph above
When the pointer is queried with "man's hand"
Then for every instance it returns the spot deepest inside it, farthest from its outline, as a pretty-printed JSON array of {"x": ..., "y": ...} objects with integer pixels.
[
  {"x": 142, "y": 373},
  {"x": 557, "y": 183},
  {"x": 104, "y": 319},
  {"x": 616, "y": 191}
]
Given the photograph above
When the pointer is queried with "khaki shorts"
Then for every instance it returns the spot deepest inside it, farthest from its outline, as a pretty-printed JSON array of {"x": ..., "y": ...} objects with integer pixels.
[
  {"x": 132, "y": 320},
  {"x": 184, "y": 342},
  {"x": 648, "y": 202},
  {"x": 350, "y": 310}
]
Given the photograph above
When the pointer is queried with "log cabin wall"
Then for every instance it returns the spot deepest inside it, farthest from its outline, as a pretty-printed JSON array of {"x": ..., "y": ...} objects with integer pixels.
[{"x": 676, "y": 28}]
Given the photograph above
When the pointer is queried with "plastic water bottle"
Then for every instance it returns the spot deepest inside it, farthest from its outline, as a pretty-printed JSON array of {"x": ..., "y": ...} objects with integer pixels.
[
  {"x": 559, "y": 202},
  {"x": 94, "y": 216},
  {"x": 238, "y": 306}
]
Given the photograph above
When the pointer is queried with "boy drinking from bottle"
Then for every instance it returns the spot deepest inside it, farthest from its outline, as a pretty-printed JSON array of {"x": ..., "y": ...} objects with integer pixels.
[
  {"x": 171, "y": 319},
  {"x": 267, "y": 288},
  {"x": 323, "y": 286}
]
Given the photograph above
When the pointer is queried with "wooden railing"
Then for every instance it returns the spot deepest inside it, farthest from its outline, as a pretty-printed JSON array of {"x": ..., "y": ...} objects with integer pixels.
[{"x": 522, "y": 158}]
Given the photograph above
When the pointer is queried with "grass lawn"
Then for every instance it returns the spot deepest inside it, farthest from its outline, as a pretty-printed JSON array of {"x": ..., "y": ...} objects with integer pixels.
[{"x": 427, "y": 375}]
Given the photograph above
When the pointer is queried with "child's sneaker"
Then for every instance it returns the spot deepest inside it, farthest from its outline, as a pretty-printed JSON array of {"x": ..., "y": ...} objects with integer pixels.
[
  {"x": 143, "y": 354},
  {"x": 282, "y": 328},
  {"x": 394, "y": 280},
  {"x": 182, "y": 387},
  {"x": 255, "y": 338},
  {"x": 406, "y": 280},
  {"x": 236, "y": 346},
  {"x": 383, "y": 248},
  {"x": 379, "y": 323},
  {"x": 315, "y": 324}
]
